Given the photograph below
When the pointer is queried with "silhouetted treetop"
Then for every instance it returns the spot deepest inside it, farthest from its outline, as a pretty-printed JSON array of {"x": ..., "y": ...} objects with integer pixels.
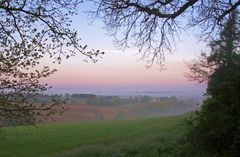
[
  {"x": 39, "y": 27},
  {"x": 153, "y": 25},
  {"x": 224, "y": 52}
]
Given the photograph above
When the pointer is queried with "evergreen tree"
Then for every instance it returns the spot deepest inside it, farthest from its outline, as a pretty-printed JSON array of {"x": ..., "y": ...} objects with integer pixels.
[{"x": 215, "y": 129}]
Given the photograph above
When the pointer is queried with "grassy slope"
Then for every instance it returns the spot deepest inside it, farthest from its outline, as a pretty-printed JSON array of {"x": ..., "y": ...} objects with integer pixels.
[{"x": 103, "y": 138}]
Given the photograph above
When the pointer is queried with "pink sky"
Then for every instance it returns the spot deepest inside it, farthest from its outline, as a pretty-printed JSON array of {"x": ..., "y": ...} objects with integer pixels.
[
  {"x": 119, "y": 69},
  {"x": 122, "y": 69},
  {"x": 115, "y": 74}
]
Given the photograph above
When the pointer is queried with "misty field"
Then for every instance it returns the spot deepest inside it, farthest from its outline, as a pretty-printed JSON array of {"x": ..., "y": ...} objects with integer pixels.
[{"x": 118, "y": 138}]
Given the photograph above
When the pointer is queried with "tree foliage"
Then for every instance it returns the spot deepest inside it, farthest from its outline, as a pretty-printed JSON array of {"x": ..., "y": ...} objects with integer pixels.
[
  {"x": 29, "y": 31},
  {"x": 152, "y": 25},
  {"x": 214, "y": 130}
]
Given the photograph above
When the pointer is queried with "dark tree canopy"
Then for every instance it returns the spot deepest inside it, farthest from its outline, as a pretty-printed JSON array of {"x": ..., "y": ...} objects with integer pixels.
[
  {"x": 214, "y": 130},
  {"x": 223, "y": 52},
  {"x": 29, "y": 31},
  {"x": 152, "y": 25}
]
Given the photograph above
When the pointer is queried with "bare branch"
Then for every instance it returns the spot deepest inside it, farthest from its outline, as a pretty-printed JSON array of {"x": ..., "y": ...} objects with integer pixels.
[{"x": 153, "y": 26}]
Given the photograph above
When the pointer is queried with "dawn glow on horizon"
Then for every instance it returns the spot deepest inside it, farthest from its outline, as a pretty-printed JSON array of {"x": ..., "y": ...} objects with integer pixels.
[{"x": 122, "y": 68}]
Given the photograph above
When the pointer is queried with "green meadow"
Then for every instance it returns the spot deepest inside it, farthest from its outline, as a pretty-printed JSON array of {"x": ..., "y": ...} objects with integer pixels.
[{"x": 146, "y": 137}]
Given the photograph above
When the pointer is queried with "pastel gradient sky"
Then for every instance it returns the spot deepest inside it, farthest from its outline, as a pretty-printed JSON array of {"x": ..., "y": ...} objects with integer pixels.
[{"x": 121, "y": 68}]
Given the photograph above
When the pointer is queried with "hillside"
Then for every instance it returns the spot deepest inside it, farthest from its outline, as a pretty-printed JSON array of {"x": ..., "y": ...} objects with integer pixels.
[
  {"x": 119, "y": 138},
  {"x": 89, "y": 107}
]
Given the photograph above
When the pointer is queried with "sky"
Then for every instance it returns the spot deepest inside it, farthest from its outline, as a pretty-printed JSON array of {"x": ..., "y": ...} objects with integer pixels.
[{"x": 121, "y": 69}]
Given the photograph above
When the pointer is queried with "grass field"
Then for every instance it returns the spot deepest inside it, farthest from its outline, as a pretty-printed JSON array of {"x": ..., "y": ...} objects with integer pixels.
[{"x": 123, "y": 138}]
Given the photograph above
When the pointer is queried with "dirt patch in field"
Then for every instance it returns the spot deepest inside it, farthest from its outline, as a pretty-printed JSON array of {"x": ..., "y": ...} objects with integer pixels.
[{"x": 85, "y": 112}]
